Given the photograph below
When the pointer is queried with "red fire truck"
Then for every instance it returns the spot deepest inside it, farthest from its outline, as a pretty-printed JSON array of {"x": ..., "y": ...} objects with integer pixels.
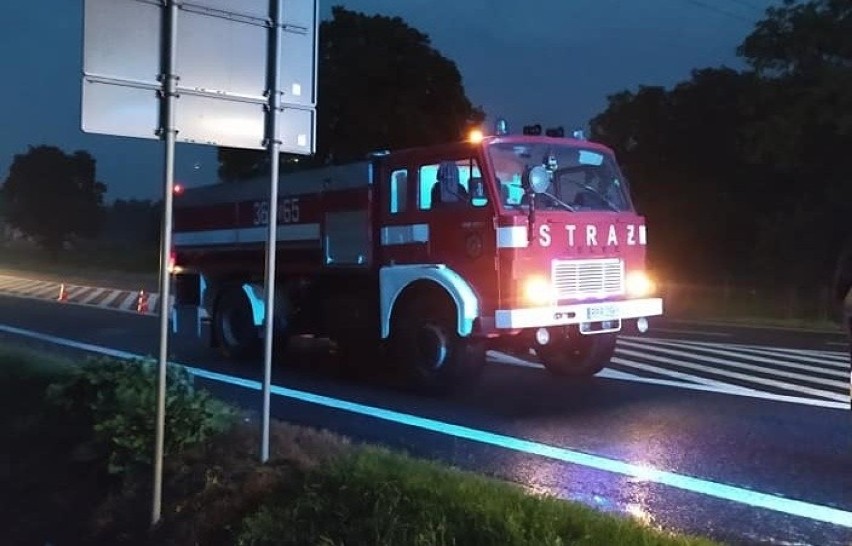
[{"x": 428, "y": 256}]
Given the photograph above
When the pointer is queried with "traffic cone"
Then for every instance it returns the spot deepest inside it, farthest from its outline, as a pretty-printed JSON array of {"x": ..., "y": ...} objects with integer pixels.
[
  {"x": 142, "y": 302},
  {"x": 63, "y": 296}
]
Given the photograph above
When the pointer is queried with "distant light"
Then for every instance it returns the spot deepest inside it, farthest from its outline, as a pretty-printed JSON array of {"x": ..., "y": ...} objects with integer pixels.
[
  {"x": 178, "y": 189},
  {"x": 475, "y": 136},
  {"x": 579, "y": 134}
]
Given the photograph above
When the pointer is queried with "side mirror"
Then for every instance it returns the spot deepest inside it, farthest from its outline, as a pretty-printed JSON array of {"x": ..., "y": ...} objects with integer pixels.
[{"x": 477, "y": 194}]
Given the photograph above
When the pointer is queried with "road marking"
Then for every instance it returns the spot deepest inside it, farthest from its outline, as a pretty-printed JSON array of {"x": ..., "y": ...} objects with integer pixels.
[
  {"x": 129, "y": 302},
  {"x": 91, "y": 297},
  {"x": 685, "y": 482},
  {"x": 110, "y": 298},
  {"x": 749, "y": 378},
  {"x": 722, "y": 388},
  {"x": 821, "y": 357},
  {"x": 691, "y": 332},
  {"x": 754, "y": 358}
]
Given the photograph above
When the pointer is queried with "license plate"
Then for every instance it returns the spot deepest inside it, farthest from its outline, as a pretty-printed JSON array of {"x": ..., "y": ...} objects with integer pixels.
[{"x": 602, "y": 312}]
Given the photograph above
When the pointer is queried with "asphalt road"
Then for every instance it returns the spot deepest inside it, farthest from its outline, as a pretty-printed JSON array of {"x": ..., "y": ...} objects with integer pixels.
[{"x": 739, "y": 434}]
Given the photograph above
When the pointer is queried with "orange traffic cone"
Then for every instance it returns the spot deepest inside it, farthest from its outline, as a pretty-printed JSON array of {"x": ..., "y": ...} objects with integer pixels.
[
  {"x": 63, "y": 296},
  {"x": 142, "y": 302}
]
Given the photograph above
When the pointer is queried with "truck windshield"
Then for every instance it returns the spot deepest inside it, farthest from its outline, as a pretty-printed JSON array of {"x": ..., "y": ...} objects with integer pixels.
[{"x": 583, "y": 179}]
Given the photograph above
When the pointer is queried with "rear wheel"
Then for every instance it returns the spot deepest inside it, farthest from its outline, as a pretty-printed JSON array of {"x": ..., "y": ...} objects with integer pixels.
[
  {"x": 576, "y": 355},
  {"x": 424, "y": 340},
  {"x": 234, "y": 331}
]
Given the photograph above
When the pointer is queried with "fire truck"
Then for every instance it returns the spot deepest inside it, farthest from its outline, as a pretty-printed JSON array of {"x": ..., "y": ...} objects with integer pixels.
[{"x": 427, "y": 257}]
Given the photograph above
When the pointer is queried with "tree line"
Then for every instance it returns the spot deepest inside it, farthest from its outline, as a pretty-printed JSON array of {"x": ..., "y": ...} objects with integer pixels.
[
  {"x": 742, "y": 174},
  {"x": 746, "y": 174}
]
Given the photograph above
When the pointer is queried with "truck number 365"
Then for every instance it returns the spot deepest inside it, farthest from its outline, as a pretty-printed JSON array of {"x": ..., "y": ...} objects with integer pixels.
[{"x": 288, "y": 211}]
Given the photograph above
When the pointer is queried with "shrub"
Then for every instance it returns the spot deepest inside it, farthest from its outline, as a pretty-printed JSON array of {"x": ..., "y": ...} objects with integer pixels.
[{"x": 119, "y": 399}]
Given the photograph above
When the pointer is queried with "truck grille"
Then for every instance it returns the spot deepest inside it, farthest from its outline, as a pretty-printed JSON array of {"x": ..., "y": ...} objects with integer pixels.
[{"x": 588, "y": 278}]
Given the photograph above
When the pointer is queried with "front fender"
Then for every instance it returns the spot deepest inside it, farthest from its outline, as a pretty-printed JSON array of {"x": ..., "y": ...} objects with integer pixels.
[{"x": 396, "y": 278}]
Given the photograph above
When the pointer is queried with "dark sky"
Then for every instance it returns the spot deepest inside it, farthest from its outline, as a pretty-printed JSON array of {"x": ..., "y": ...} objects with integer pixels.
[{"x": 550, "y": 61}]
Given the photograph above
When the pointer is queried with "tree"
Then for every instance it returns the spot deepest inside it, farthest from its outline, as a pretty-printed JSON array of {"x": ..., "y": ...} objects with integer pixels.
[
  {"x": 803, "y": 53},
  {"x": 750, "y": 168},
  {"x": 381, "y": 85},
  {"x": 53, "y": 196},
  {"x": 681, "y": 149}
]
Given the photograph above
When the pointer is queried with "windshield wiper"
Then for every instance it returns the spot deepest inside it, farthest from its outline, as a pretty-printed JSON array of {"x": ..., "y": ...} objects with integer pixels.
[
  {"x": 559, "y": 202},
  {"x": 601, "y": 196}
]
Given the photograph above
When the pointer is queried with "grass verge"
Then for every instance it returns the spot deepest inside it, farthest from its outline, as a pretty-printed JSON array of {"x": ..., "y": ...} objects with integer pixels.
[{"x": 317, "y": 488}]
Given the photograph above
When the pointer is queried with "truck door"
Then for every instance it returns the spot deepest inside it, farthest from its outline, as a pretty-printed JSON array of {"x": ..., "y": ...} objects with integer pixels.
[{"x": 439, "y": 211}]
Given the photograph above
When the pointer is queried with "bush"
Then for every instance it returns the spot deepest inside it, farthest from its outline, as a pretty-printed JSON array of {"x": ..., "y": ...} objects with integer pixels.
[
  {"x": 377, "y": 498},
  {"x": 119, "y": 399}
]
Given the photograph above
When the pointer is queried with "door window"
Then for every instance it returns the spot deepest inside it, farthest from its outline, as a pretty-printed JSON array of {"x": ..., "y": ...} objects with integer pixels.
[{"x": 451, "y": 183}]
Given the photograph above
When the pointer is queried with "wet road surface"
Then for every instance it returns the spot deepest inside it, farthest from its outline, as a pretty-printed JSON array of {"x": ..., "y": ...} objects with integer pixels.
[{"x": 734, "y": 448}]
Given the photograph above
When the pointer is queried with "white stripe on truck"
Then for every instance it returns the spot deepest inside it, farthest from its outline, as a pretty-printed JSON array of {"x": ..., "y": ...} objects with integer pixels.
[
  {"x": 403, "y": 235},
  {"x": 290, "y": 232},
  {"x": 512, "y": 237}
]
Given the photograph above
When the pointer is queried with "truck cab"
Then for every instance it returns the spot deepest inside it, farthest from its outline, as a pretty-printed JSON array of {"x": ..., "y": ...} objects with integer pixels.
[{"x": 542, "y": 229}]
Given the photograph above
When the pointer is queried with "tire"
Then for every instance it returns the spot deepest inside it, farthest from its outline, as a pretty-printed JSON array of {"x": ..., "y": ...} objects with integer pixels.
[
  {"x": 236, "y": 336},
  {"x": 577, "y": 355},
  {"x": 424, "y": 340}
]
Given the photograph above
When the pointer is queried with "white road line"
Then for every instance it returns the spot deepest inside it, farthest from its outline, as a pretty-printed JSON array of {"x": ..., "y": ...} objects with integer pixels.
[
  {"x": 748, "y": 497},
  {"x": 74, "y": 291},
  {"x": 129, "y": 302},
  {"x": 723, "y": 388},
  {"x": 110, "y": 298},
  {"x": 691, "y": 332},
  {"x": 744, "y": 377},
  {"x": 842, "y": 385},
  {"x": 781, "y": 351},
  {"x": 10, "y": 282},
  {"x": 824, "y": 358},
  {"x": 152, "y": 302},
  {"x": 755, "y": 358},
  {"x": 52, "y": 288},
  {"x": 20, "y": 283},
  {"x": 81, "y": 293},
  {"x": 33, "y": 288},
  {"x": 503, "y": 358},
  {"x": 91, "y": 297},
  {"x": 679, "y": 375},
  {"x": 737, "y": 346}
]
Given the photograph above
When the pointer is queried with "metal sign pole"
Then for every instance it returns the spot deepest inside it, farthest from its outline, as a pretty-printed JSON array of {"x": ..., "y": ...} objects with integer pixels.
[
  {"x": 269, "y": 281},
  {"x": 169, "y": 135}
]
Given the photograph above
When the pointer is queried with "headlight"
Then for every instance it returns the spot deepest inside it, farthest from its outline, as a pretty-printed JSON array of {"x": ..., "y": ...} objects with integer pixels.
[
  {"x": 639, "y": 284},
  {"x": 538, "y": 291}
]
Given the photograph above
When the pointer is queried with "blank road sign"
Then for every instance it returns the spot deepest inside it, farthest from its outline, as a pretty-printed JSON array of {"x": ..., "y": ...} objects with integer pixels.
[{"x": 222, "y": 71}]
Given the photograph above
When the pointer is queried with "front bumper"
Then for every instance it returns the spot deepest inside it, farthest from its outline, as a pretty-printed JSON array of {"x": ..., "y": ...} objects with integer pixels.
[{"x": 536, "y": 317}]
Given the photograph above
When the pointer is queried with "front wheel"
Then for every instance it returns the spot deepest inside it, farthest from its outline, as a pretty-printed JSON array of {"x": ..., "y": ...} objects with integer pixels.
[
  {"x": 424, "y": 340},
  {"x": 576, "y": 355}
]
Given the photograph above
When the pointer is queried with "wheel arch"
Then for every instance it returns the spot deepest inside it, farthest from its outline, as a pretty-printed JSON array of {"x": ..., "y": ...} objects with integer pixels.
[{"x": 397, "y": 282}]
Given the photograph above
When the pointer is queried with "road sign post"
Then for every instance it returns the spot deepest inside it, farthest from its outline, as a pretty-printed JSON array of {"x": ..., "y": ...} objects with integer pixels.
[
  {"x": 207, "y": 72},
  {"x": 168, "y": 134},
  {"x": 269, "y": 277}
]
